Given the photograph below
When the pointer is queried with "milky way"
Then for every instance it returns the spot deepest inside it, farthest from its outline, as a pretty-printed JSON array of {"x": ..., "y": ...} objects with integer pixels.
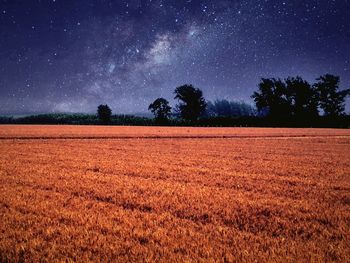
[{"x": 71, "y": 56}]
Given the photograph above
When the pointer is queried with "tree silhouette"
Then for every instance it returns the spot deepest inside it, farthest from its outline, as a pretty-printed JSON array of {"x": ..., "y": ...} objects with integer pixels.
[
  {"x": 104, "y": 113},
  {"x": 191, "y": 102},
  {"x": 271, "y": 98},
  {"x": 225, "y": 108},
  {"x": 161, "y": 110},
  {"x": 302, "y": 98},
  {"x": 222, "y": 108},
  {"x": 210, "y": 110},
  {"x": 332, "y": 101}
]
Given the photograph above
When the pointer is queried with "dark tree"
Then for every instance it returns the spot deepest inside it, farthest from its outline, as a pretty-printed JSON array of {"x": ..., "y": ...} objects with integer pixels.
[
  {"x": 243, "y": 108},
  {"x": 271, "y": 98},
  {"x": 104, "y": 113},
  {"x": 225, "y": 108},
  {"x": 222, "y": 108},
  {"x": 210, "y": 110},
  {"x": 332, "y": 101},
  {"x": 302, "y": 98},
  {"x": 191, "y": 102},
  {"x": 161, "y": 110}
]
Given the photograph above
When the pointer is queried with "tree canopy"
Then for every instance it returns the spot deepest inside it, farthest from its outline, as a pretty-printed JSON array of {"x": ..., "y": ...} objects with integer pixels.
[
  {"x": 271, "y": 99},
  {"x": 104, "y": 113},
  {"x": 225, "y": 108},
  {"x": 331, "y": 99},
  {"x": 191, "y": 102},
  {"x": 161, "y": 110},
  {"x": 296, "y": 98},
  {"x": 302, "y": 98}
]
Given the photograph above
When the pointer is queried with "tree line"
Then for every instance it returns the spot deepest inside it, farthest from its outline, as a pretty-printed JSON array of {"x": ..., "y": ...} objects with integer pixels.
[
  {"x": 192, "y": 108},
  {"x": 289, "y": 102},
  {"x": 295, "y": 97}
]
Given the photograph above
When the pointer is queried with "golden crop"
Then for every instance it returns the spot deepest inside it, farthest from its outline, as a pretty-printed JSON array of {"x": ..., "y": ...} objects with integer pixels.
[{"x": 156, "y": 194}]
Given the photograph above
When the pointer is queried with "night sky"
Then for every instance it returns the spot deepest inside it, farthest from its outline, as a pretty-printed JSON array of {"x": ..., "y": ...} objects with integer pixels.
[{"x": 71, "y": 56}]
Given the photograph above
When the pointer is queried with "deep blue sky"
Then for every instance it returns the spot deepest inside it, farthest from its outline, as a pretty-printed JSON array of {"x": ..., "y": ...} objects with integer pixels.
[{"x": 71, "y": 56}]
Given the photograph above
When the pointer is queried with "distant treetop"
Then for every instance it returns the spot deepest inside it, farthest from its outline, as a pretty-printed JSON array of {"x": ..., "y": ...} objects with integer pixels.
[{"x": 104, "y": 113}]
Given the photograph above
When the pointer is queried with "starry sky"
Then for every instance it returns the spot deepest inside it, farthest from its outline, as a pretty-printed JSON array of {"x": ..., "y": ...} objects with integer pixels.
[{"x": 71, "y": 56}]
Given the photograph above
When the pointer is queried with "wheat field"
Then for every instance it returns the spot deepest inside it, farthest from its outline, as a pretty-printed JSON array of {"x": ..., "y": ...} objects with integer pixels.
[{"x": 158, "y": 194}]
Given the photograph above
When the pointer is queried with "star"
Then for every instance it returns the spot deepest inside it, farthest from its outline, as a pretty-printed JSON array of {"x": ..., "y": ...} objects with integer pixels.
[{"x": 127, "y": 53}]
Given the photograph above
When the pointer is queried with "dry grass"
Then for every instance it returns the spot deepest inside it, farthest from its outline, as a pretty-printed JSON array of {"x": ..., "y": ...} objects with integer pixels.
[
  {"x": 57, "y": 131},
  {"x": 249, "y": 197}
]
